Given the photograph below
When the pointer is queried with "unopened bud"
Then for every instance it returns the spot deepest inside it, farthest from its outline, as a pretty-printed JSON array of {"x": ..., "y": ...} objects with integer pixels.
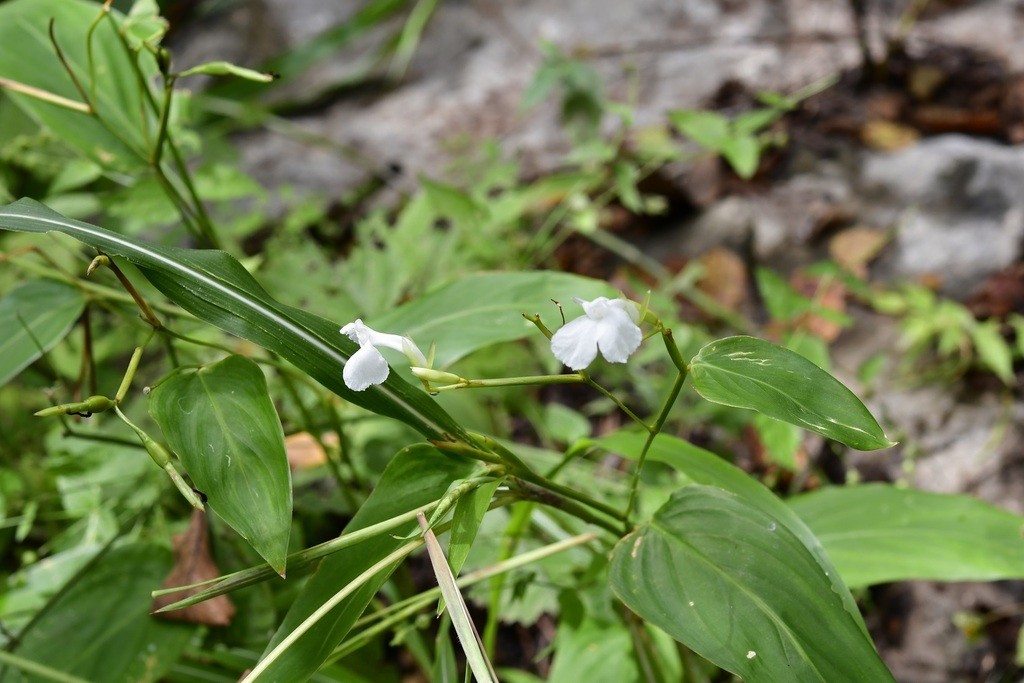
[
  {"x": 438, "y": 376},
  {"x": 98, "y": 262},
  {"x": 93, "y": 404}
]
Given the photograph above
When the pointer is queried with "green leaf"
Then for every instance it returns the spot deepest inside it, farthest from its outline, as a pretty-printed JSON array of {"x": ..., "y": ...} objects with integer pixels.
[
  {"x": 469, "y": 512},
  {"x": 993, "y": 350},
  {"x": 780, "y": 440},
  {"x": 228, "y": 69},
  {"x": 215, "y": 288},
  {"x": 28, "y": 57},
  {"x": 479, "y": 310},
  {"x": 878, "y": 533},
  {"x": 781, "y": 300},
  {"x": 588, "y": 649},
  {"x": 222, "y": 424},
  {"x": 100, "y": 628},
  {"x": 446, "y": 669},
  {"x": 742, "y": 590},
  {"x": 144, "y": 25},
  {"x": 626, "y": 176},
  {"x": 745, "y": 372},
  {"x": 454, "y": 204},
  {"x": 755, "y": 121},
  {"x": 704, "y": 467},
  {"x": 706, "y": 128},
  {"x": 34, "y": 317},
  {"x": 415, "y": 476},
  {"x": 743, "y": 152}
]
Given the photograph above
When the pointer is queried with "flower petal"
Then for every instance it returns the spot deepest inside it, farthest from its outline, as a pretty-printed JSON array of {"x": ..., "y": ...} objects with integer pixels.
[
  {"x": 366, "y": 367},
  {"x": 357, "y": 332},
  {"x": 628, "y": 306},
  {"x": 617, "y": 335},
  {"x": 575, "y": 343}
]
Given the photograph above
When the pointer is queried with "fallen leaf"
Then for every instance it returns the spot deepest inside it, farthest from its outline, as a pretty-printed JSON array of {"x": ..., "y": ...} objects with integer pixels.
[
  {"x": 829, "y": 294},
  {"x": 888, "y": 136},
  {"x": 724, "y": 277},
  {"x": 192, "y": 564},
  {"x": 305, "y": 452},
  {"x": 856, "y": 247},
  {"x": 1001, "y": 294}
]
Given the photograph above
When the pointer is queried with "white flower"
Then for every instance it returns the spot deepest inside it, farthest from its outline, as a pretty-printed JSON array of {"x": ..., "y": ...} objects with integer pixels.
[
  {"x": 609, "y": 325},
  {"x": 367, "y": 366}
]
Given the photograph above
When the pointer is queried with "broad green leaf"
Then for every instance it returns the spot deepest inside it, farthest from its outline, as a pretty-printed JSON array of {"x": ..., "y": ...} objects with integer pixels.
[
  {"x": 703, "y": 467},
  {"x": 222, "y": 424},
  {"x": 214, "y": 287},
  {"x": 780, "y": 440},
  {"x": 479, "y": 310},
  {"x": 878, "y": 533},
  {"x": 469, "y": 512},
  {"x": 415, "y": 476},
  {"x": 745, "y": 372},
  {"x": 740, "y": 589},
  {"x": 33, "y": 318},
  {"x": 100, "y": 628},
  {"x": 706, "y": 128},
  {"x": 743, "y": 152},
  {"x": 993, "y": 350},
  {"x": 29, "y": 57}
]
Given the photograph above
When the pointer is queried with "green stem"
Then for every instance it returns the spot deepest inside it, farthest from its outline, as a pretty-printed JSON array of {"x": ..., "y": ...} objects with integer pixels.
[
  {"x": 165, "y": 114},
  {"x": 659, "y": 422},
  {"x": 570, "y": 493},
  {"x": 535, "y": 380},
  {"x": 297, "y": 560},
  {"x": 129, "y": 374},
  {"x": 514, "y": 532},
  {"x": 147, "y": 312},
  {"x": 519, "y": 469},
  {"x": 614, "y": 399},
  {"x": 45, "y": 96},
  {"x": 100, "y": 291},
  {"x": 400, "y": 611},
  {"x": 546, "y": 497},
  {"x": 382, "y": 565}
]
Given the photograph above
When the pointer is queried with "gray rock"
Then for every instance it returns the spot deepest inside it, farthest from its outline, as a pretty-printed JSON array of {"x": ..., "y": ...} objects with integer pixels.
[{"x": 957, "y": 206}]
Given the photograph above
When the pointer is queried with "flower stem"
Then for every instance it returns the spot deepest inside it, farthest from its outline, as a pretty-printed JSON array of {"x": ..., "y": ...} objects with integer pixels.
[
  {"x": 659, "y": 421},
  {"x": 614, "y": 399},
  {"x": 575, "y": 378}
]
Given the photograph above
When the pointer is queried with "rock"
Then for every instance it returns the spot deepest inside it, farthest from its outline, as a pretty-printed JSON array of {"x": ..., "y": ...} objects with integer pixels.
[
  {"x": 775, "y": 227},
  {"x": 957, "y": 207},
  {"x": 475, "y": 60},
  {"x": 920, "y": 640}
]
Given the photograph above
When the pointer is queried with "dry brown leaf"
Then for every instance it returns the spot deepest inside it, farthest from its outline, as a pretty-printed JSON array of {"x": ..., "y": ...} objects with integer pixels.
[
  {"x": 856, "y": 247},
  {"x": 888, "y": 136},
  {"x": 192, "y": 564},
  {"x": 304, "y": 451},
  {"x": 830, "y": 294},
  {"x": 724, "y": 277}
]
